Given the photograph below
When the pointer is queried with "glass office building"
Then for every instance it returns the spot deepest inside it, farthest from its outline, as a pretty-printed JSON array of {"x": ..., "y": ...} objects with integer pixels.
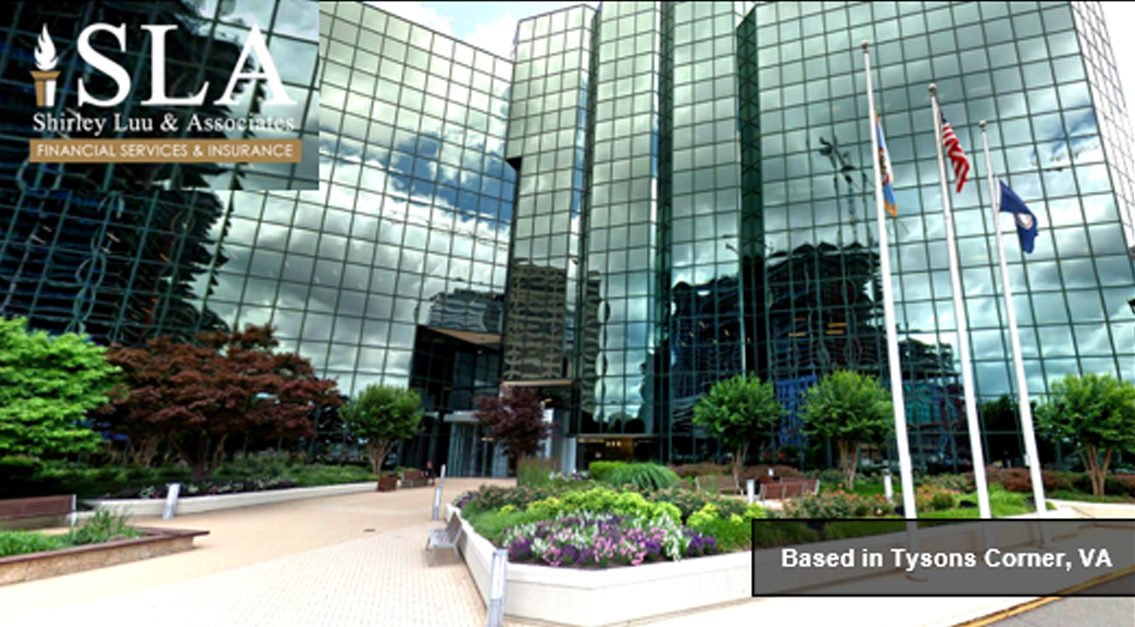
[{"x": 649, "y": 198}]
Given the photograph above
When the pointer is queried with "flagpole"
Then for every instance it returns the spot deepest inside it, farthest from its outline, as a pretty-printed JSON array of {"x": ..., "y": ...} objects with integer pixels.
[
  {"x": 960, "y": 321},
  {"x": 1023, "y": 404},
  {"x": 910, "y": 510}
]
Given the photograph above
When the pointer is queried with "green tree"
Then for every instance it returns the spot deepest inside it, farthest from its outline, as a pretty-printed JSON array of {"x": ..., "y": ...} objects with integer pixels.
[
  {"x": 852, "y": 409},
  {"x": 382, "y": 415},
  {"x": 47, "y": 386},
  {"x": 1097, "y": 414},
  {"x": 738, "y": 410}
]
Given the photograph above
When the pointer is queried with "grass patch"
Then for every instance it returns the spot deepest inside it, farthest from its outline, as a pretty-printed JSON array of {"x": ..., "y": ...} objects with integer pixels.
[
  {"x": 24, "y": 542},
  {"x": 862, "y": 488}
]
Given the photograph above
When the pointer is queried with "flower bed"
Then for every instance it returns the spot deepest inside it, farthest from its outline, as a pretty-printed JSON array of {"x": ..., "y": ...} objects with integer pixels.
[
  {"x": 602, "y": 527},
  {"x": 590, "y": 540}
]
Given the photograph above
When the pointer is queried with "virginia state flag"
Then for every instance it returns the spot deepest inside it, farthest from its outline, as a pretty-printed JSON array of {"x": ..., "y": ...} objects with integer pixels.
[
  {"x": 885, "y": 171},
  {"x": 1026, "y": 221}
]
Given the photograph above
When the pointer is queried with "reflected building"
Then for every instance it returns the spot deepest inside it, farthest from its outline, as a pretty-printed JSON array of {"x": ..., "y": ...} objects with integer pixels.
[
  {"x": 467, "y": 310},
  {"x": 652, "y": 197},
  {"x": 539, "y": 342}
]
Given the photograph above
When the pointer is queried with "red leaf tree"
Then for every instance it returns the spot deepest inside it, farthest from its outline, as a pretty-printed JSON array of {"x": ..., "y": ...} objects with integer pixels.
[
  {"x": 515, "y": 419},
  {"x": 196, "y": 395}
]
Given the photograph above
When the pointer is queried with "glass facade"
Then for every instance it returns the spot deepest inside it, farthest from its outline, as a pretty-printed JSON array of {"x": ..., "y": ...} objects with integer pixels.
[
  {"x": 644, "y": 200},
  {"x": 127, "y": 252}
]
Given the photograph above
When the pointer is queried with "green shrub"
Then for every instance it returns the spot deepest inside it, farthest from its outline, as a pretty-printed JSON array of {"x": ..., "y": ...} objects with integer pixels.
[
  {"x": 103, "y": 526},
  {"x": 837, "y": 504},
  {"x": 494, "y": 525},
  {"x": 1120, "y": 485},
  {"x": 600, "y": 470},
  {"x": 319, "y": 474},
  {"x": 827, "y": 476},
  {"x": 957, "y": 483},
  {"x": 489, "y": 498},
  {"x": 929, "y": 497},
  {"x": 732, "y": 532},
  {"x": 602, "y": 501},
  {"x": 642, "y": 476},
  {"x": 689, "y": 501}
]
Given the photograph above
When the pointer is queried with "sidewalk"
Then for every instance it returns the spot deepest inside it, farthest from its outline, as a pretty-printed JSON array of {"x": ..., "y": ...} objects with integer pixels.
[
  {"x": 344, "y": 560},
  {"x": 360, "y": 560}
]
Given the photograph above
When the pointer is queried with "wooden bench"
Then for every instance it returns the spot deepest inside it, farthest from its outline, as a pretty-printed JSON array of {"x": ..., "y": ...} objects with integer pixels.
[
  {"x": 38, "y": 511},
  {"x": 415, "y": 478},
  {"x": 788, "y": 488},
  {"x": 721, "y": 484},
  {"x": 446, "y": 537}
]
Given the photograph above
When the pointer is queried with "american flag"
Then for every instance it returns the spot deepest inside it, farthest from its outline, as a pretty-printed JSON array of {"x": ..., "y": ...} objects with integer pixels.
[{"x": 954, "y": 151}]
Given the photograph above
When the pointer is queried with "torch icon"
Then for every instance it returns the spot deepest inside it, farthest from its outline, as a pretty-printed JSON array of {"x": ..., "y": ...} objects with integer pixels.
[{"x": 45, "y": 60}]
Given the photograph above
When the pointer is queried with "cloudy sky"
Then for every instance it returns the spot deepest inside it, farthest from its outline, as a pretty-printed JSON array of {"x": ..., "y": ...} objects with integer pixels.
[{"x": 492, "y": 25}]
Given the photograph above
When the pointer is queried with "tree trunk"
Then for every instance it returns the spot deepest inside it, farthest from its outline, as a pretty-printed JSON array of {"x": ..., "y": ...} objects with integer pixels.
[
  {"x": 1097, "y": 471},
  {"x": 196, "y": 463},
  {"x": 377, "y": 454},
  {"x": 848, "y": 460},
  {"x": 218, "y": 454},
  {"x": 145, "y": 452},
  {"x": 739, "y": 462}
]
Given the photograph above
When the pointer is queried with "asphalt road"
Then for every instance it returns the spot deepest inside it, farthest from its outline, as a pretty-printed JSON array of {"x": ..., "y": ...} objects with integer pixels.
[{"x": 1082, "y": 611}]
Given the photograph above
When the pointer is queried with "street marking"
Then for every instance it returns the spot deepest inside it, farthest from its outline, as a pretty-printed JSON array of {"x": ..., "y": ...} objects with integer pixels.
[{"x": 1032, "y": 605}]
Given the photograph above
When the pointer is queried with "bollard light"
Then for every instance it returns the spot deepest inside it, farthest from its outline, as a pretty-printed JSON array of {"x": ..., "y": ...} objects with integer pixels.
[
  {"x": 890, "y": 488},
  {"x": 437, "y": 501},
  {"x": 751, "y": 489},
  {"x": 498, "y": 575},
  {"x": 171, "y": 501}
]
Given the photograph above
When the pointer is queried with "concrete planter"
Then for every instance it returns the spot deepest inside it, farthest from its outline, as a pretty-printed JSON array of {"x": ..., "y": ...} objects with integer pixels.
[
  {"x": 594, "y": 598},
  {"x": 200, "y": 504},
  {"x": 157, "y": 542},
  {"x": 597, "y": 598}
]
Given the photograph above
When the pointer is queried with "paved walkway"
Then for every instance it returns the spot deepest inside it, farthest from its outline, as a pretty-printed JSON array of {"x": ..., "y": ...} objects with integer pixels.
[{"x": 359, "y": 560}]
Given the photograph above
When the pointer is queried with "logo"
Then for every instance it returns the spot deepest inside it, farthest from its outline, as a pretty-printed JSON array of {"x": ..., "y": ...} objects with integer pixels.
[
  {"x": 45, "y": 60},
  {"x": 1024, "y": 220},
  {"x": 165, "y": 132}
]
